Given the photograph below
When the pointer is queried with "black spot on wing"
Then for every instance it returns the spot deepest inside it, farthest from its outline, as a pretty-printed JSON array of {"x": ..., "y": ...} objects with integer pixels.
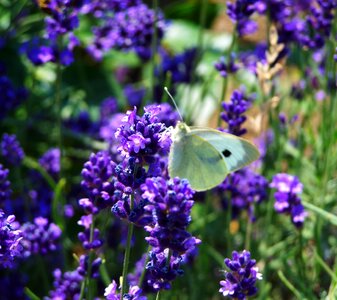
[{"x": 226, "y": 153}]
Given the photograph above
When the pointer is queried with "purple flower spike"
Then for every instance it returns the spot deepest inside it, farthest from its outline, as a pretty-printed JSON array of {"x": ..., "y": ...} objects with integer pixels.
[
  {"x": 240, "y": 280},
  {"x": 170, "y": 204},
  {"x": 112, "y": 293},
  {"x": 287, "y": 200},
  {"x": 10, "y": 240},
  {"x": 11, "y": 149},
  {"x": 51, "y": 161},
  {"x": 66, "y": 286},
  {"x": 40, "y": 237},
  {"x": 5, "y": 190},
  {"x": 234, "y": 111},
  {"x": 226, "y": 67}
]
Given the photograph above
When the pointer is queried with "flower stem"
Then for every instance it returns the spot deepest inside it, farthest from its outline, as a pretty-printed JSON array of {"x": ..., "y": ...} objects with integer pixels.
[
  {"x": 127, "y": 253},
  {"x": 154, "y": 50},
  {"x": 248, "y": 233}
]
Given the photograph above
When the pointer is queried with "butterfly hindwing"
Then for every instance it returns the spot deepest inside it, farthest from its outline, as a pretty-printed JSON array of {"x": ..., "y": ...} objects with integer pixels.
[
  {"x": 196, "y": 159},
  {"x": 237, "y": 152}
]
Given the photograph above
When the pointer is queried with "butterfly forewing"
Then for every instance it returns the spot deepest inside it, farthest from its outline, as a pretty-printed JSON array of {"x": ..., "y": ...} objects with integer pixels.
[
  {"x": 237, "y": 152},
  {"x": 194, "y": 158}
]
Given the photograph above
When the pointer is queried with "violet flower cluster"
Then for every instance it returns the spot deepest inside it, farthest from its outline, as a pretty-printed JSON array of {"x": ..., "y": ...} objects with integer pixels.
[
  {"x": 10, "y": 97},
  {"x": 234, "y": 110},
  {"x": 287, "y": 200},
  {"x": 11, "y": 149},
  {"x": 51, "y": 162},
  {"x": 169, "y": 203},
  {"x": 5, "y": 186},
  {"x": 244, "y": 188},
  {"x": 129, "y": 29},
  {"x": 241, "y": 278},
  {"x": 180, "y": 66},
  {"x": 227, "y": 66},
  {"x": 111, "y": 293},
  {"x": 10, "y": 240},
  {"x": 66, "y": 285},
  {"x": 40, "y": 237}
]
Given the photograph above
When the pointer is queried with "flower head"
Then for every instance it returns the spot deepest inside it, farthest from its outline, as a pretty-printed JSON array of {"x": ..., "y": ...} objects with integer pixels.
[
  {"x": 10, "y": 240},
  {"x": 40, "y": 237},
  {"x": 5, "y": 190},
  {"x": 50, "y": 161},
  {"x": 11, "y": 149},
  {"x": 240, "y": 280},
  {"x": 286, "y": 197}
]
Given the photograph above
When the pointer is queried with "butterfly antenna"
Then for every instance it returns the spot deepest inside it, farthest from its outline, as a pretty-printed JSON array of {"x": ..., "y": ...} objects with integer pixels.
[{"x": 175, "y": 104}]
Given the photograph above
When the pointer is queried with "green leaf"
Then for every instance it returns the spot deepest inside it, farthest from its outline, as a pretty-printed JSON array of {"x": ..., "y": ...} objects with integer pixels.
[{"x": 321, "y": 212}]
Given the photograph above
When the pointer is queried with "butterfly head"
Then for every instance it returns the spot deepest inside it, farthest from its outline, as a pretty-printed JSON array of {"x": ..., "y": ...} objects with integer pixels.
[{"x": 180, "y": 131}]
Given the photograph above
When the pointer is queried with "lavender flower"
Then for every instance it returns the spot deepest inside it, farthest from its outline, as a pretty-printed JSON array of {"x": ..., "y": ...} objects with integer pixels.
[
  {"x": 240, "y": 12},
  {"x": 90, "y": 240},
  {"x": 40, "y": 237},
  {"x": 11, "y": 149},
  {"x": 287, "y": 200},
  {"x": 108, "y": 108},
  {"x": 66, "y": 286},
  {"x": 10, "y": 239},
  {"x": 111, "y": 293},
  {"x": 225, "y": 67},
  {"x": 241, "y": 277},
  {"x": 179, "y": 66},
  {"x": 50, "y": 161},
  {"x": 234, "y": 112},
  {"x": 133, "y": 95},
  {"x": 131, "y": 29},
  {"x": 170, "y": 204},
  {"x": 160, "y": 273},
  {"x": 5, "y": 191},
  {"x": 84, "y": 266},
  {"x": 10, "y": 97},
  {"x": 98, "y": 180},
  {"x": 245, "y": 189}
]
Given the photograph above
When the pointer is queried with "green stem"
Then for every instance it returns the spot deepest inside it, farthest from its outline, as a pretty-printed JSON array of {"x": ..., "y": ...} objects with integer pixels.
[
  {"x": 86, "y": 280},
  {"x": 248, "y": 233},
  {"x": 58, "y": 104},
  {"x": 154, "y": 50},
  {"x": 127, "y": 253},
  {"x": 158, "y": 295}
]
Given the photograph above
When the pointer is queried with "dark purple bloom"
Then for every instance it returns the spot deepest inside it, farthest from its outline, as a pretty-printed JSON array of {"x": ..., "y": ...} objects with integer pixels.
[
  {"x": 134, "y": 96},
  {"x": 245, "y": 189},
  {"x": 225, "y": 67},
  {"x": 239, "y": 12},
  {"x": 179, "y": 67},
  {"x": 130, "y": 29},
  {"x": 160, "y": 273},
  {"x": 66, "y": 286},
  {"x": 10, "y": 97},
  {"x": 167, "y": 114},
  {"x": 10, "y": 240},
  {"x": 111, "y": 293},
  {"x": 170, "y": 204},
  {"x": 11, "y": 149},
  {"x": 98, "y": 179},
  {"x": 286, "y": 197},
  {"x": 90, "y": 240},
  {"x": 5, "y": 190},
  {"x": 51, "y": 161},
  {"x": 234, "y": 111},
  {"x": 142, "y": 136},
  {"x": 40, "y": 237},
  {"x": 108, "y": 108},
  {"x": 241, "y": 278},
  {"x": 84, "y": 266},
  {"x": 82, "y": 123}
]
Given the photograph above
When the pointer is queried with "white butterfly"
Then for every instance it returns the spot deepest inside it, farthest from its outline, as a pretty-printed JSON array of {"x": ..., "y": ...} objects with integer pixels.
[{"x": 206, "y": 156}]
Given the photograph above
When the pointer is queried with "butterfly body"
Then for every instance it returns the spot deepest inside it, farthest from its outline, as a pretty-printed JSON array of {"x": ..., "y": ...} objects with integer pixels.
[{"x": 206, "y": 156}]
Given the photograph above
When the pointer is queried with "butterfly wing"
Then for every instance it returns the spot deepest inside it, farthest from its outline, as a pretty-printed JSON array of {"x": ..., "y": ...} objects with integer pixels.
[
  {"x": 197, "y": 160},
  {"x": 237, "y": 152}
]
